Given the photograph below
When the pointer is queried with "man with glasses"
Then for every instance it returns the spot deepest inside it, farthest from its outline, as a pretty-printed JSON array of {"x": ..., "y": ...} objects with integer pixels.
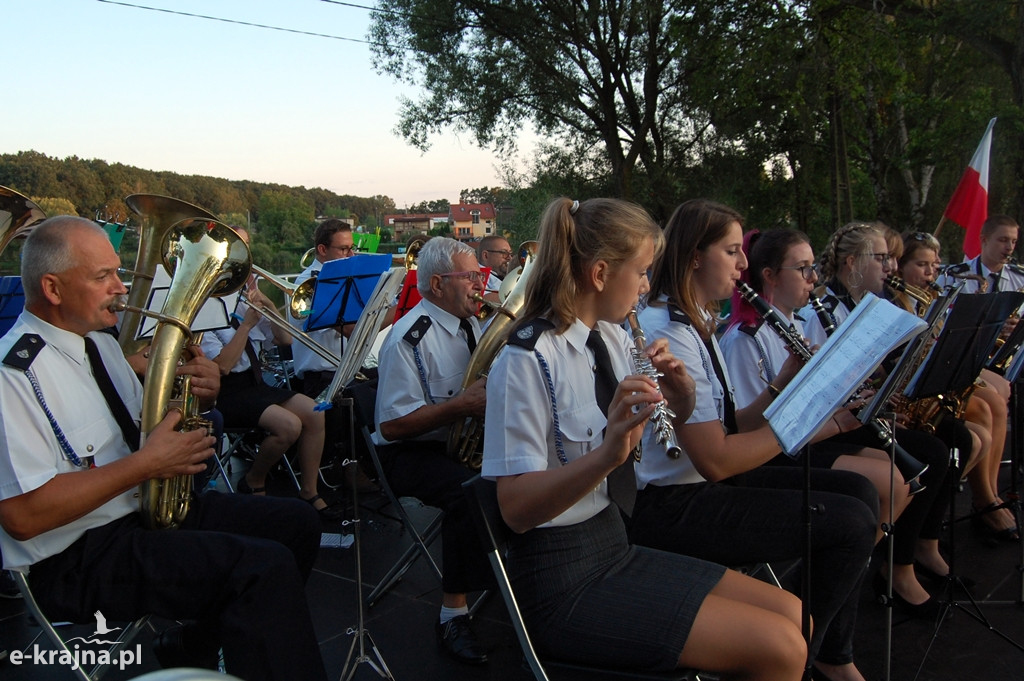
[
  {"x": 496, "y": 253},
  {"x": 422, "y": 364}
]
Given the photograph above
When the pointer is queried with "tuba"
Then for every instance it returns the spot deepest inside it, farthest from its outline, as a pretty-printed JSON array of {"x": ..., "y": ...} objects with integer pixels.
[
  {"x": 158, "y": 214},
  {"x": 18, "y": 216},
  {"x": 464, "y": 435},
  {"x": 205, "y": 258}
]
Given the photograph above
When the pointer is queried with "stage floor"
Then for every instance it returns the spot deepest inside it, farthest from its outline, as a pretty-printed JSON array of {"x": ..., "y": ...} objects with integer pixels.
[{"x": 401, "y": 623}]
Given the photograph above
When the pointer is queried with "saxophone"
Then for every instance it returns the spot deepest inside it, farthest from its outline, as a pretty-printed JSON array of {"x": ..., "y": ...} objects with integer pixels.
[
  {"x": 910, "y": 468},
  {"x": 205, "y": 258},
  {"x": 664, "y": 431}
]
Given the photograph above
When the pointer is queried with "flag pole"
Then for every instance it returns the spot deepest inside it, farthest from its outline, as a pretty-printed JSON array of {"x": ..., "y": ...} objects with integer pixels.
[{"x": 942, "y": 221}]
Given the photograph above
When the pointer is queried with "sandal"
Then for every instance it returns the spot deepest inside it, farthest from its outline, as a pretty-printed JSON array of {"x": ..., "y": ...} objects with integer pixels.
[
  {"x": 328, "y": 512},
  {"x": 978, "y": 519},
  {"x": 244, "y": 488}
]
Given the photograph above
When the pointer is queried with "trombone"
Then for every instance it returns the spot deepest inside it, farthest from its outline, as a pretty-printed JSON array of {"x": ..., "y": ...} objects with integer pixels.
[{"x": 304, "y": 294}]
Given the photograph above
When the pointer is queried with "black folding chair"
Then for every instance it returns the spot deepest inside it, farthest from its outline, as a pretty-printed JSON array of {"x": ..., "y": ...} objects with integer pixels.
[{"x": 494, "y": 535}]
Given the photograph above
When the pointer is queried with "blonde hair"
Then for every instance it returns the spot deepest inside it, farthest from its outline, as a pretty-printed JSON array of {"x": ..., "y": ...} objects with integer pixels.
[
  {"x": 573, "y": 236},
  {"x": 853, "y": 238}
]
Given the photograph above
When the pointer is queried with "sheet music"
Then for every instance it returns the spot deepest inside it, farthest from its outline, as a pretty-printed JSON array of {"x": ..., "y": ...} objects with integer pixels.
[{"x": 844, "y": 362}]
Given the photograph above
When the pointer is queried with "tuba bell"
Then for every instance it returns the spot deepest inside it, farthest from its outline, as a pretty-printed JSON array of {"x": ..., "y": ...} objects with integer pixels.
[
  {"x": 464, "y": 436},
  {"x": 206, "y": 258},
  {"x": 158, "y": 214},
  {"x": 18, "y": 216}
]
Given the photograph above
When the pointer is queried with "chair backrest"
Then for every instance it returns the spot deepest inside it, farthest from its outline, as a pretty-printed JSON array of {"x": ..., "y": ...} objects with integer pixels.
[
  {"x": 483, "y": 504},
  {"x": 364, "y": 399}
]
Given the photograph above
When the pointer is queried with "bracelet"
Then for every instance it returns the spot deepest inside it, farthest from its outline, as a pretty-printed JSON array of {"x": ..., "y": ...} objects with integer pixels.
[{"x": 773, "y": 391}]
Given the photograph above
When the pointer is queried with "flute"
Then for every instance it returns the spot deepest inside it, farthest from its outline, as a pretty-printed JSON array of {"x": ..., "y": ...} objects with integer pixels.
[{"x": 664, "y": 431}]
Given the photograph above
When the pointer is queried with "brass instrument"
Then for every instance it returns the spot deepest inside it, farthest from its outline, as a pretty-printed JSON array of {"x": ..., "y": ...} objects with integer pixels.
[
  {"x": 910, "y": 468},
  {"x": 464, "y": 435},
  {"x": 307, "y": 258},
  {"x": 300, "y": 296},
  {"x": 923, "y": 296},
  {"x": 158, "y": 214},
  {"x": 18, "y": 216},
  {"x": 412, "y": 252},
  {"x": 206, "y": 258},
  {"x": 280, "y": 322},
  {"x": 664, "y": 430}
]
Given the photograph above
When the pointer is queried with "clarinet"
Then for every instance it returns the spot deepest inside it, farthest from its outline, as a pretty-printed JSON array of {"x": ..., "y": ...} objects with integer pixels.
[
  {"x": 664, "y": 431},
  {"x": 910, "y": 468},
  {"x": 825, "y": 318}
]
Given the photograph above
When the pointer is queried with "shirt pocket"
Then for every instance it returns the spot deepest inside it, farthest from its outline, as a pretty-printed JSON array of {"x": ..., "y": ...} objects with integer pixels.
[
  {"x": 443, "y": 389},
  {"x": 582, "y": 430},
  {"x": 97, "y": 439}
]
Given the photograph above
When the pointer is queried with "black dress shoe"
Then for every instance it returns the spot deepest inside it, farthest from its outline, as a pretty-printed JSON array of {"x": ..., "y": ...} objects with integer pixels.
[
  {"x": 171, "y": 650},
  {"x": 928, "y": 610},
  {"x": 457, "y": 638}
]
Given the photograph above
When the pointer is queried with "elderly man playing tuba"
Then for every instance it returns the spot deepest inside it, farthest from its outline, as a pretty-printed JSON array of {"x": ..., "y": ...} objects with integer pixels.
[{"x": 70, "y": 463}]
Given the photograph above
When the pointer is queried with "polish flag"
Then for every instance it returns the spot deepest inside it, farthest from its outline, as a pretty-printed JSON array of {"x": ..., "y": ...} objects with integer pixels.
[{"x": 969, "y": 205}]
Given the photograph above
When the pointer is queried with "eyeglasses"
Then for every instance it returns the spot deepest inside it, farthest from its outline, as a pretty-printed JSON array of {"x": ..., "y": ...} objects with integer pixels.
[
  {"x": 808, "y": 272},
  {"x": 504, "y": 254},
  {"x": 880, "y": 257},
  {"x": 343, "y": 249},
  {"x": 472, "y": 276}
]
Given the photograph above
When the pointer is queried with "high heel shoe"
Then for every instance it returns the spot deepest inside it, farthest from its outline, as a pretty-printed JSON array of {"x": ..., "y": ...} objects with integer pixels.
[
  {"x": 978, "y": 514},
  {"x": 924, "y": 571},
  {"x": 928, "y": 610}
]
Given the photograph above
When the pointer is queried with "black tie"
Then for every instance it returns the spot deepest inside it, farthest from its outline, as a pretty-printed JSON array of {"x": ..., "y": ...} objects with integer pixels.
[
  {"x": 254, "y": 359},
  {"x": 622, "y": 480},
  {"x": 729, "y": 415},
  {"x": 470, "y": 338},
  {"x": 994, "y": 286},
  {"x": 129, "y": 431}
]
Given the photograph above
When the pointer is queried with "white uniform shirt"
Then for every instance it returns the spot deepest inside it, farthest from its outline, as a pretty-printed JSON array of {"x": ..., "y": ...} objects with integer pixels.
[
  {"x": 214, "y": 341},
  {"x": 443, "y": 356},
  {"x": 743, "y": 352},
  {"x": 1009, "y": 278},
  {"x": 520, "y": 433},
  {"x": 686, "y": 344},
  {"x": 304, "y": 359},
  {"x": 493, "y": 283},
  {"x": 30, "y": 454}
]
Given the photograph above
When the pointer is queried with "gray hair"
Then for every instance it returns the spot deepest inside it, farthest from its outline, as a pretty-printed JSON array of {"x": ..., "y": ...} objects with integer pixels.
[
  {"x": 436, "y": 257},
  {"x": 48, "y": 250}
]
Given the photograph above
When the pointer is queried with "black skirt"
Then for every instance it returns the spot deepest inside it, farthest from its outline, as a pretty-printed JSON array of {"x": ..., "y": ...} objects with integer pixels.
[
  {"x": 590, "y": 597},
  {"x": 242, "y": 400}
]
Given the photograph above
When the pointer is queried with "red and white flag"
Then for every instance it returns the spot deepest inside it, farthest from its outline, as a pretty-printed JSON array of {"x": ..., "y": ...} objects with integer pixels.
[{"x": 969, "y": 205}]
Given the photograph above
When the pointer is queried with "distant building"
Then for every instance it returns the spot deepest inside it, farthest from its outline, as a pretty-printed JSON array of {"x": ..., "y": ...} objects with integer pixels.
[
  {"x": 405, "y": 225},
  {"x": 471, "y": 221}
]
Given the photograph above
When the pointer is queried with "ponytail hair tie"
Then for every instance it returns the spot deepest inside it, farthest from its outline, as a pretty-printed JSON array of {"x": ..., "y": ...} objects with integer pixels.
[{"x": 574, "y": 207}]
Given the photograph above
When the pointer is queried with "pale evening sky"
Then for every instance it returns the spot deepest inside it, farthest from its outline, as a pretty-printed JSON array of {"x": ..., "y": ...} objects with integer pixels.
[{"x": 196, "y": 96}]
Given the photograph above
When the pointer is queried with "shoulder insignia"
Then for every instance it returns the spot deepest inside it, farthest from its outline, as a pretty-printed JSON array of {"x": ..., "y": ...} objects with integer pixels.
[
  {"x": 830, "y": 302},
  {"x": 526, "y": 334},
  {"x": 416, "y": 332},
  {"x": 798, "y": 317},
  {"x": 751, "y": 329},
  {"x": 677, "y": 315},
  {"x": 24, "y": 352},
  {"x": 958, "y": 268}
]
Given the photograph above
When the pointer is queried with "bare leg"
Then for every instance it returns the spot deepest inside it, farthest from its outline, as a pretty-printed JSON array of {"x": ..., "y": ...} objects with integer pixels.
[
  {"x": 747, "y": 629},
  {"x": 310, "y": 444},
  {"x": 984, "y": 478},
  {"x": 283, "y": 428},
  {"x": 873, "y": 464}
]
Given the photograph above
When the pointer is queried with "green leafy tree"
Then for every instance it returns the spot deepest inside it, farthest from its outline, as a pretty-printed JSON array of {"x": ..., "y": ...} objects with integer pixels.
[{"x": 435, "y": 206}]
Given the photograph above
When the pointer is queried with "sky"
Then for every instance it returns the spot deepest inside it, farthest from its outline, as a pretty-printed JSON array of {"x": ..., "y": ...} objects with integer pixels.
[{"x": 196, "y": 96}]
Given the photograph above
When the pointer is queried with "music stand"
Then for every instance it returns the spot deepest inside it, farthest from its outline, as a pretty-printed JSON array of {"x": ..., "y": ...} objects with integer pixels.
[
  {"x": 952, "y": 365},
  {"x": 343, "y": 288},
  {"x": 12, "y": 302}
]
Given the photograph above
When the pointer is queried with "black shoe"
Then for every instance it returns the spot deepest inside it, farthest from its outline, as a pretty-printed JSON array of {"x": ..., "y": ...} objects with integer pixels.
[
  {"x": 928, "y": 610},
  {"x": 329, "y": 513},
  {"x": 457, "y": 638},
  {"x": 171, "y": 650},
  {"x": 924, "y": 571},
  {"x": 1008, "y": 534}
]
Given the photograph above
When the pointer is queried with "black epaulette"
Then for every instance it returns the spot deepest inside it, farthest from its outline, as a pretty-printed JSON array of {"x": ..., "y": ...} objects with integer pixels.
[
  {"x": 1015, "y": 268},
  {"x": 677, "y": 315},
  {"x": 802, "y": 320},
  {"x": 416, "y": 332},
  {"x": 24, "y": 351},
  {"x": 958, "y": 269},
  {"x": 527, "y": 333},
  {"x": 751, "y": 329},
  {"x": 830, "y": 302}
]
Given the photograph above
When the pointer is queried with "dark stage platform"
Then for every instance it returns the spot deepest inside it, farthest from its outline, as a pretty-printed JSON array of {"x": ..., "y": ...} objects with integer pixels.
[{"x": 401, "y": 623}]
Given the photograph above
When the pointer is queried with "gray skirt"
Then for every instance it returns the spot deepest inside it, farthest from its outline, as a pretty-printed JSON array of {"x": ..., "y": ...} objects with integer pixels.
[{"x": 588, "y": 596}]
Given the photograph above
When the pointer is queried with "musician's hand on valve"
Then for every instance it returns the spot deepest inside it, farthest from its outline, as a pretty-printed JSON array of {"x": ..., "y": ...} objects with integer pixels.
[
  {"x": 205, "y": 373},
  {"x": 172, "y": 452},
  {"x": 474, "y": 399},
  {"x": 677, "y": 385},
  {"x": 625, "y": 428}
]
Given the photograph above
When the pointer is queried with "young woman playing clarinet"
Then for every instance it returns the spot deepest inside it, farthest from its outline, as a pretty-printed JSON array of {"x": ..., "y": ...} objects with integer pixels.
[
  {"x": 781, "y": 270},
  {"x": 986, "y": 408},
  {"x": 857, "y": 261},
  {"x": 717, "y": 500},
  {"x": 552, "y": 440}
]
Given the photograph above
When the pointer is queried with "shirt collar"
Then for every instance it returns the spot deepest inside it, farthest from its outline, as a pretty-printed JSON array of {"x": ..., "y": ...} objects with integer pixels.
[
  {"x": 447, "y": 320},
  {"x": 577, "y": 334},
  {"x": 66, "y": 342}
]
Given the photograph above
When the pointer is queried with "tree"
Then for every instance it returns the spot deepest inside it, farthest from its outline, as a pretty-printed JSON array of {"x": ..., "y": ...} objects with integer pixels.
[{"x": 435, "y": 206}]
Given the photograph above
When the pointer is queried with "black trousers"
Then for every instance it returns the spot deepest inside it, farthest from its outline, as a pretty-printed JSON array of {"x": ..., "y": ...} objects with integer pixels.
[
  {"x": 424, "y": 470},
  {"x": 237, "y": 566},
  {"x": 758, "y": 517}
]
